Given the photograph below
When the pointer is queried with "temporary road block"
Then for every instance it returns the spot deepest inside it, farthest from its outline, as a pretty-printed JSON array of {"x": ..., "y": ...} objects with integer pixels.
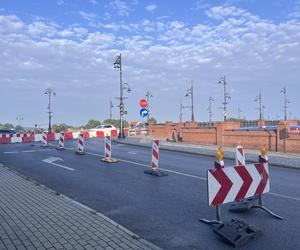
[
  {"x": 219, "y": 163},
  {"x": 5, "y": 138},
  {"x": 80, "y": 147},
  {"x": 263, "y": 157},
  {"x": 44, "y": 139},
  {"x": 28, "y": 137},
  {"x": 61, "y": 141},
  {"x": 240, "y": 156},
  {"x": 153, "y": 170},
  {"x": 107, "y": 150},
  {"x": 16, "y": 138}
]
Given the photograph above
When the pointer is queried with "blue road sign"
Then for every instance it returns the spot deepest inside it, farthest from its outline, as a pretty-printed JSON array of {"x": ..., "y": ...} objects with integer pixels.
[{"x": 143, "y": 112}]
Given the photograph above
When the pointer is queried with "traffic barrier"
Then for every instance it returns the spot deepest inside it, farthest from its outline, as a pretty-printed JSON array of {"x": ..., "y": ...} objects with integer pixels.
[
  {"x": 219, "y": 162},
  {"x": 263, "y": 157},
  {"x": 44, "y": 139},
  {"x": 28, "y": 137},
  {"x": 85, "y": 134},
  {"x": 80, "y": 147},
  {"x": 61, "y": 142},
  {"x": 240, "y": 156},
  {"x": 100, "y": 134},
  {"x": 68, "y": 135},
  {"x": 50, "y": 137},
  {"x": 233, "y": 184},
  {"x": 153, "y": 170},
  {"x": 5, "y": 138},
  {"x": 107, "y": 150},
  {"x": 16, "y": 138}
]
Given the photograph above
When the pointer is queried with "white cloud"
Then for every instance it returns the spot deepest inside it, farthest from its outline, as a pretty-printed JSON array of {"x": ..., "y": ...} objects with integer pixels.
[
  {"x": 151, "y": 7},
  {"x": 89, "y": 16},
  {"x": 94, "y": 2},
  {"x": 120, "y": 6},
  {"x": 60, "y": 2}
]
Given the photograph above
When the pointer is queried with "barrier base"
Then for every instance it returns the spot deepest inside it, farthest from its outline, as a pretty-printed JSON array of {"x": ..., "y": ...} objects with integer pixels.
[
  {"x": 237, "y": 232},
  {"x": 58, "y": 148},
  {"x": 242, "y": 206},
  {"x": 110, "y": 160},
  {"x": 156, "y": 172},
  {"x": 44, "y": 146},
  {"x": 80, "y": 152}
]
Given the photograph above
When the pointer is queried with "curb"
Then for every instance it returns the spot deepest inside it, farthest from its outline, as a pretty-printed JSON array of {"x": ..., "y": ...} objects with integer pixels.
[{"x": 278, "y": 161}]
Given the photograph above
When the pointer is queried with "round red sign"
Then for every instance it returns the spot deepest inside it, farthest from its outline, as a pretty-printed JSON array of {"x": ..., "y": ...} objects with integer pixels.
[{"x": 143, "y": 103}]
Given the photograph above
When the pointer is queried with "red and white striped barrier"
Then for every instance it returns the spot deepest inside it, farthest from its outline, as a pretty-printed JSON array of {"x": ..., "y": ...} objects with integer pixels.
[
  {"x": 44, "y": 139},
  {"x": 240, "y": 156},
  {"x": 107, "y": 150},
  {"x": 61, "y": 142},
  {"x": 153, "y": 170},
  {"x": 80, "y": 147}
]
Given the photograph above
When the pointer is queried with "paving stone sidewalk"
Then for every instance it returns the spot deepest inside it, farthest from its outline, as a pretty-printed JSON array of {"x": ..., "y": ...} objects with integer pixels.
[{"x": 34, "y": 217}]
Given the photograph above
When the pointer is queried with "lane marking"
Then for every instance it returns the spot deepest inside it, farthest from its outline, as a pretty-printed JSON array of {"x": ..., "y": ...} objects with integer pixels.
[
  {"x": 28, "y": 151},
  {"x": 131, "y": 153},
  {"x": 51, "y": 160},
  {"x": 11, "y": 152},
  {"x": 184, "y": 174}
]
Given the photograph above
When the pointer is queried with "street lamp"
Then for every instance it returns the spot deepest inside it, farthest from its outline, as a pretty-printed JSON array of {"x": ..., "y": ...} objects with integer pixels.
[
  {"x": 259, "y": 99},
  {"x": 111, "y": 105},
  {"x": 148, "y": 96},
  {"x": 210, "y": 100},
  {"x": 190, "y": 93},
  {"x": 226, "y": 97},
  {"x": 123, "y": 86},
  {"x": 285, "y": 102},
  {"x": 50, "y": 92}
]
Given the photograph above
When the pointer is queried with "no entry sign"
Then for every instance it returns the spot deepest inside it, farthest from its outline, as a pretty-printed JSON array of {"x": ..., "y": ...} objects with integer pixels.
[{"x": 143, "y": 103}]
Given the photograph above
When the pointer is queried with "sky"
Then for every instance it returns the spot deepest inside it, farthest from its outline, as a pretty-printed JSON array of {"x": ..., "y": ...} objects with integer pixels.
[{"x": 71, "y": 45}]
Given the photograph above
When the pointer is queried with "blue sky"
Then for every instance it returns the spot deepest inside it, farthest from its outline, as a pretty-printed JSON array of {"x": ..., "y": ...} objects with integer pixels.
[{"x": 70, "y": 45}]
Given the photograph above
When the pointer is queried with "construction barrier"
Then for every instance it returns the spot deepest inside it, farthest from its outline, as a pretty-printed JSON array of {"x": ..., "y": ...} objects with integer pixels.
[
  {"x": 28, "y": 137},
  {"x": 80, "y": 145},
  {"x": 44, "y": 139},
  {"x": 107, "y": 150},
  {"x": 233, "y": 184},
  {"x": 68, "y": 135},
  {"x": 153, "y": 170},
  {"x": 240, "y": 156},
  {"x": 50, "y": 137},
  {"x": 5, "y": 138},
  {"x": 61, "y": 142},
  {"x": 16, "y": 138}
]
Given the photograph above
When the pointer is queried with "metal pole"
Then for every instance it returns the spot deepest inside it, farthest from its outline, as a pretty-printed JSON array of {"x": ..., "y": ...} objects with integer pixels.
[
  {"x": 180, "y": 112},
  {"x": 218, "y": 213},
  {"x": 110, "y": 108},
  {"x": 260, "y": 106},
  {"x": 49, "y": 128},
  {"x": 192, "y": 99},
  {"x": 210, "y": 108},
  {"x": 121, "y": 100},
  {"x": 225, "y": 100}
]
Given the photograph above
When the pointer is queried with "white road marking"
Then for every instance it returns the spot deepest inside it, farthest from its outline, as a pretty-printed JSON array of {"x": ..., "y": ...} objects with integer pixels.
[
  {"x": 28, "y": 151},
  {"x": 187, "y": 175},
  {"x": 11, "y": 152},
  {"x": 1, "y": 165},
  {"x": 51, "y": 160},
  {"x": 131, "y": 153}
]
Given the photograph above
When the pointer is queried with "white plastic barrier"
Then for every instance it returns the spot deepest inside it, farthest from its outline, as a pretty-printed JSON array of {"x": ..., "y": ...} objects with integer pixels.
[{"x": 38, "y": 137}]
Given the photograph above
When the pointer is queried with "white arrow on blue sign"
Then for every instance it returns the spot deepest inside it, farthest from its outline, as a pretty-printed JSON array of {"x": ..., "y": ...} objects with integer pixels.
[{"x": 143, "y": 112}]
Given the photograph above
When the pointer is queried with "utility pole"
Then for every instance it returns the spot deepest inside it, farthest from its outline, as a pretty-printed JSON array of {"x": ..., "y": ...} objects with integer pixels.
[
  {"x": 226, "y": 97},
  {"x": 239, "y": 112},
  {"x": 259, "y": 100},
  {"x": 285, "y": 101},
  {"x": 19, "y": 119},
  {"x": 110, "y": 108},
  {"x": 50, "y": 92},
  {"x": 148, "y": 96},
  {"x": 190, "y": 93},
  {"x": 210, "y": 99}
]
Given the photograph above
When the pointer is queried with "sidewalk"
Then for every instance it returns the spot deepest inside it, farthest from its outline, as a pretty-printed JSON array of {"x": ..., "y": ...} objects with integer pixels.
[
  {"x": 277, "y": 159},
  {"x": 34, "y": 217}
]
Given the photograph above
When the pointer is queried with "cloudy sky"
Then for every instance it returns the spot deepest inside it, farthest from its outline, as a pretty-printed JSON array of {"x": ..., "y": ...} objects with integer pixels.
[{"x": 70, "y": 45}]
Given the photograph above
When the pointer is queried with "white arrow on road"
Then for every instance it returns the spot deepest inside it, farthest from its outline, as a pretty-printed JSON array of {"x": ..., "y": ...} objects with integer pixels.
[{"x": 51, "y": 161}]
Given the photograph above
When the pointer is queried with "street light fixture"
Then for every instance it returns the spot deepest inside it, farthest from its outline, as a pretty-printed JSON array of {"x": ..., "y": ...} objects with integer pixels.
[
  {"x": 50, "y": 92},
  {"x": 226, "y": 97},
  {"x": 190, "y": 93}
]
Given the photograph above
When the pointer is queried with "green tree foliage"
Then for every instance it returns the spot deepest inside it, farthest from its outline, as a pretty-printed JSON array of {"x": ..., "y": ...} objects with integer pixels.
[
  {"x": 92, "y": 123},
  {"x": 116, "y": 123},
  {"x": 62, "y": 127},
  {"x": 152, "y": 120},
  {"x": 7, "y": 126}
]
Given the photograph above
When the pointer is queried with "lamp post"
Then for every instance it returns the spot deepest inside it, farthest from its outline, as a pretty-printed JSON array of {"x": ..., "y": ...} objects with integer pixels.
[
  {"x": 50, "y": 92},
  {"x": 210, "y": 100},
  {"x": 123, "y": 86},
  {"x": 190, "y": 93},
  {"x": 226, "y": 97},
  {"x": 110, "y": 108},
  {"x": 259, "y": 99},
  {"x": 148, "y": 96},
  {"x": 239, "y": 112},
  {"x": 285, "y": 102}
]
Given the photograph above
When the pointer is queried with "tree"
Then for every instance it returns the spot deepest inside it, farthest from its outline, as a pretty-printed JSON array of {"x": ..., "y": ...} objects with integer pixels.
[
  {"x": 116, "y": 122},
  {"x": 62, "y": 127},
  {"x": 152, "y": 120},
  {"x": 92, "y": 124},
  {"x": 7, "y": 126}
]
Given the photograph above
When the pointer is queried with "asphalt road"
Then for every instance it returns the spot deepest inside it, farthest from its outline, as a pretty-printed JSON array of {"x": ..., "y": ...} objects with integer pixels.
[{"x": 163, "y": 210}]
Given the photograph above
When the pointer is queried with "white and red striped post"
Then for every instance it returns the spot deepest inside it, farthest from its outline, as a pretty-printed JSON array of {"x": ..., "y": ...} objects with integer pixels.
[
  {"x": 44, "y": 139},
  {"x": 240, "y": 159},
  {"x": 61, "y": 142},
  {"x": 107, "y": 149},
  {"x": 154, "y": 161},
  {"x": 80, "y": 147}
]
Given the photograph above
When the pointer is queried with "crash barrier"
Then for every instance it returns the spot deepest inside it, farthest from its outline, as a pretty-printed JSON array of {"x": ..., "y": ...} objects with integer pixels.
[
  {"x": 80, "y": 145},
  {"x": 107, "y": 150},
  {"x": 61, "y": 142},
  {"x": 233, "y": 184},
  {"x": 153, "y": 170}
]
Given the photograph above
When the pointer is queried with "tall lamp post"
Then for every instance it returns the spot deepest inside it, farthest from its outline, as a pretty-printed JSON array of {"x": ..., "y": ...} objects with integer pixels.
[
  {"x": 210, "y": 100},
  {"x": 123, "y": 86},
  {"x": 110, "y": 108},
  {"x": 226, "y": 97},
  {"x": 259, "y": 99},
  {"x": 148, "y": 96},
  {"x": 285, "y": 102},
  {"x": 50, "y": 92},
  {"x": 190, "y": 93}
]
